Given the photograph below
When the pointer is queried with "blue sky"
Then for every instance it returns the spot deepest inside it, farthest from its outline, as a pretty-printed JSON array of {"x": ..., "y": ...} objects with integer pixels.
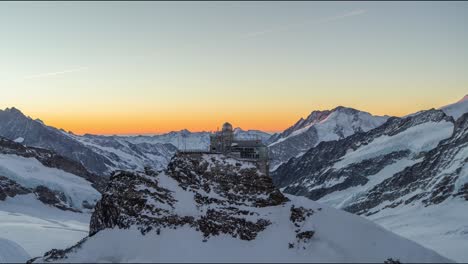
[{"x": 160, "y": 66}]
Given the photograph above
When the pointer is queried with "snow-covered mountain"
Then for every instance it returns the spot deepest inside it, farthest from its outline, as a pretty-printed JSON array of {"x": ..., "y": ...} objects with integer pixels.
[
  {"x": 215, "y": 209},
  {"x": 409, "y": 175},
  {"x": 319, "y": 126},
  {"x": 16, "y": 126},
  {"x": 123, "y": 154},
  {"x": 45, "y": 199},
  {"x": 99, "y": 154},
  {"x": 104, "y": 154}
]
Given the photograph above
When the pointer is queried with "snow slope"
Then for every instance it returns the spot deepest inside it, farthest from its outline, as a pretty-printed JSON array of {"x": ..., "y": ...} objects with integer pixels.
[
  {"x": 29, "y": 172},
  {"x": 456, "y": 110},
  {"x": 10, "y": 252},
  {"x": 214, "y": 209},
  {"x": 45, "y": 199},
  {"x": 38, "y": 227},
  {"x": 340, "y": 237},
  {"x": 442, "y": 227}
]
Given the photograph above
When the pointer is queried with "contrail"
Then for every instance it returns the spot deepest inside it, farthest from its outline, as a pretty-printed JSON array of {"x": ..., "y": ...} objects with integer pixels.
[
  {"x": 356, "y": 12},
  {"x": 54, "y": 73}
]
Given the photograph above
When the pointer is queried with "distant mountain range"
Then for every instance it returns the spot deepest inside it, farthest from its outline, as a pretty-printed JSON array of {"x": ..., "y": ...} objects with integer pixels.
[
  {"x": 408, "y": 172},
  {"x": 104, "y": 154}
]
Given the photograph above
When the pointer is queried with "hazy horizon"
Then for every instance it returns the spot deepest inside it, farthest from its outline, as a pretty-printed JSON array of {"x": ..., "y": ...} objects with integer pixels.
[
  {"x": 153, "y": 67},
  {"x": 212, "y": 129}
]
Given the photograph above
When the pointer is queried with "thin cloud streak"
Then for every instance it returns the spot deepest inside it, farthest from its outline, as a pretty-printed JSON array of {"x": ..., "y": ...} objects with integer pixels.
[
  {"x": 353, "y": 13},
  {"x": 42, "y": 75}
]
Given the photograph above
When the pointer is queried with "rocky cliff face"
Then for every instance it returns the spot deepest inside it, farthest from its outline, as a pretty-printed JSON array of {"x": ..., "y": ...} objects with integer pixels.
[
  {"x": 213, "y": 208},
  {"x": 234, "y": 185}
]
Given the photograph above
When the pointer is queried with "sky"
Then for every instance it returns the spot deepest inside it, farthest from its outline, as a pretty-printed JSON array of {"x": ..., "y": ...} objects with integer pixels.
[{"x": 153, "y": 67}]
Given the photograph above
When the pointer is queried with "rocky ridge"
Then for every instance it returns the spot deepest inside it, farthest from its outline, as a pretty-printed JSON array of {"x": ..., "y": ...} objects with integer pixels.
[{"x": 217, "y": 201}]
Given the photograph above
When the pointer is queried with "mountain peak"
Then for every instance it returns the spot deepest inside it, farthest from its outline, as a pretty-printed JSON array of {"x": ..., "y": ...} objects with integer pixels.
[
  {"x": 465, "y": 98},
  {"x": 457, "y": 109},
  {"x": 13, "y": 110}
]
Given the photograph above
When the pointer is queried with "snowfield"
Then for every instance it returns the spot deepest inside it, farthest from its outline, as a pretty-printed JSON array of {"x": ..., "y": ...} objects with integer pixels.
[
  {"x": 37, "y": 227},
  {"x": 29, "y": 172},
  {"x": 417, "y": 139},
  {"x": 10, "y": 252},
  {"x": 442, "y": 227}
]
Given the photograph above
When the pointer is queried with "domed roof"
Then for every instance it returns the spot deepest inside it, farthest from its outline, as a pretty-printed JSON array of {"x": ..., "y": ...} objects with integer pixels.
[{"x": 227, "y": 127}]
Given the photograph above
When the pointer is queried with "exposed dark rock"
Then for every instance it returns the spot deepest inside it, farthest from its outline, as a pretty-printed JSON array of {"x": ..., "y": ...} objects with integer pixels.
[
  {"x": 56, "y": 254},
  {"x": 53, "y": 198},
  {"x": 238, "y": 185},
  {"x": 300, "y": 214},
  {"x": 305, "y": 236},
  {"x": 219, "y": 222},
  {"x": 9, "y": 188},
  {"x": 392, "y": 261},
  {"x": 125, "y": 204}
]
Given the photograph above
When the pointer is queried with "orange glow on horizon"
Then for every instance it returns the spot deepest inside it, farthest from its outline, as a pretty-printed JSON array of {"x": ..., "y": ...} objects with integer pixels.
[{"x": 136, "y": 124}]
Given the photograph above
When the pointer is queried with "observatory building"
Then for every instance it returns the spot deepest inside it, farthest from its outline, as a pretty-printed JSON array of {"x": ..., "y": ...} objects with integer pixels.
[
  {"x": 224, "y": 142},
  {"x": 253, "y": 149}
]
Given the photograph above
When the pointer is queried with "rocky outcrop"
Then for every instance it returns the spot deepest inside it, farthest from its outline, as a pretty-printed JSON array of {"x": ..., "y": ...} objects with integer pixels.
[
  {"x": 10, "y": 188},
  {"x": 223, "y": 192},
  {"x": 124, "y": 204},
  {"x": 225, "y": 210}
]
